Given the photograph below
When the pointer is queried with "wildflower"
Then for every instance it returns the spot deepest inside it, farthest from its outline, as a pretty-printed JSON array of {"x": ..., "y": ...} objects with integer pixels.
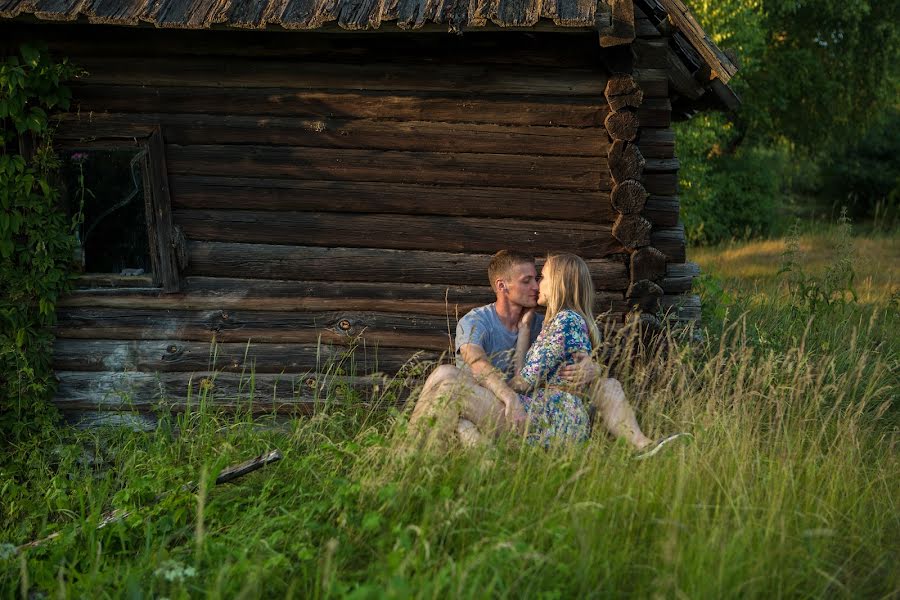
[
  {"x": 6, "y": 551},
  {"x": 173, "y": 570},
  {"x": 79, "y": 157}
]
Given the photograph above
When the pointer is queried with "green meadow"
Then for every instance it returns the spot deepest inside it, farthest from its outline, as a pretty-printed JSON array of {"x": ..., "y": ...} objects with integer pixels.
[{"x": 789, "y": 487}]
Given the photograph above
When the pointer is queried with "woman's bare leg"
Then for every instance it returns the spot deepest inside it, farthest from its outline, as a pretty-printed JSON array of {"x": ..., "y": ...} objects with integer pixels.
[{"x": 618, "y": 416}]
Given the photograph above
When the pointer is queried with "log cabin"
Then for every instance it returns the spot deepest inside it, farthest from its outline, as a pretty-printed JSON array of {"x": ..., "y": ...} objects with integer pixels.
[{"x": 273, "y": 182}]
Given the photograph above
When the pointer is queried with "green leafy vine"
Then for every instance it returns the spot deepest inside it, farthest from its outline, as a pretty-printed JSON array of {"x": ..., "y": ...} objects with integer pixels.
[{"x": 36, "y": 235}]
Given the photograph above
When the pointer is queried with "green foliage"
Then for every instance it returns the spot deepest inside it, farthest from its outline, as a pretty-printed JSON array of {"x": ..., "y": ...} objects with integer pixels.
[
  {"x": 812, "y": 77},
  {"x": 726, "y": 196},
  {"x": 810, "y": 294},
  {"x": 786, "y": 491},
  {"x": 865, "y": 176},
  {"x": 36, "y": 237}
]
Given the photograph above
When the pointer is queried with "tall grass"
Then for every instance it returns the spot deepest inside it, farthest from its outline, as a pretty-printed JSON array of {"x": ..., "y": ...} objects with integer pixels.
[{"x": 789, "y": 488}]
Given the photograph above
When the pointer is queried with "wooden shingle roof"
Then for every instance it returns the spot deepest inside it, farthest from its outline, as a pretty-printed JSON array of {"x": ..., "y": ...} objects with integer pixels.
[
  {"x": 697, "y": 57},
  {"x": 312, "y": 14}
]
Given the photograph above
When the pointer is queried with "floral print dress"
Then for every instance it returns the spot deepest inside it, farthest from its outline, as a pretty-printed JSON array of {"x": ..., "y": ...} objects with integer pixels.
[{"x": 555, "y": 414}]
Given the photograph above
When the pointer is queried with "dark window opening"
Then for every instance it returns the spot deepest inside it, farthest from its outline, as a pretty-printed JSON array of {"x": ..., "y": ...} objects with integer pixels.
[{"x": 109, "y": 186}]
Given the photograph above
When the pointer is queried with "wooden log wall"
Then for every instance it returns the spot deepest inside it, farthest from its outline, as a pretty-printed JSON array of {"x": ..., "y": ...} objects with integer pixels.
[{"x": 346, "y": 191}]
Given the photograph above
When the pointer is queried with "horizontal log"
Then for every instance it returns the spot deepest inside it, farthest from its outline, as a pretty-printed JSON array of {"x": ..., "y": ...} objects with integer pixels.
[
  {"x": 297, "y": 162},
  {"x": 226, "y": 293},
  {"x": 505, "y": 110},
  {"x": 650, "y": 53},
  {"x": 365, "y": 134},
  {"x": 356, "y": 134},
  {"x": 369, "y": 76},
  {"x": 349, "y": 328},
  {"x": 398, "y": 232},
  {"x": 189, "y": 191},
  {"x": 550, "y": 48},
  {"x": 341, "y": 327},
  {"x": 682, "y": 307},
  {"x": 180, "y": 356},
  {"x": 679, "y": 277},
  {"x": 266, "y": 261},
  {"x": 141, "y": 391},
  {"x": 81, "y": 417},
  {"x": 662, "y": 211},
  {"x": 670, "y": 241}
]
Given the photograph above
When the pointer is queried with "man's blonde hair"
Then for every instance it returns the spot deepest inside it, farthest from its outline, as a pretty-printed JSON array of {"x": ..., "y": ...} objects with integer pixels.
[
  {"x": 570, "y": 287},
  {"x": 503, "y": 262}
]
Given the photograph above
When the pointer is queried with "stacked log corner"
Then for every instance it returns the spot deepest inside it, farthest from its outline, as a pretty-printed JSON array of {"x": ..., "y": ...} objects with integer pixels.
[{"x": 629, "y": 196}]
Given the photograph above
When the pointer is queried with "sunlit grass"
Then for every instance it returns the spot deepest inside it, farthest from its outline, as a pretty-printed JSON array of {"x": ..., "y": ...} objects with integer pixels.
[
  {"x": 753, "y": 266},
  {"x": 789, "y": 487}
]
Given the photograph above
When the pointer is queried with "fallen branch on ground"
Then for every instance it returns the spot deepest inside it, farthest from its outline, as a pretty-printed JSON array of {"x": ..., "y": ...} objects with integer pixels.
[{"x": 228, "y": 474}]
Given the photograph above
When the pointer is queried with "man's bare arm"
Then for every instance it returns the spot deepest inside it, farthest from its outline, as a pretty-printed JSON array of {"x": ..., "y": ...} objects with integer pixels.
[
  {"x": 491, "y": 379},
  {"x": 583, "y": 372}
]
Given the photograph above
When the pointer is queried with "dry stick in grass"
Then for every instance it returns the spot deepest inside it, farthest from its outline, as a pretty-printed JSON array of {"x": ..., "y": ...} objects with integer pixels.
[{"x": 228, "y": 474}]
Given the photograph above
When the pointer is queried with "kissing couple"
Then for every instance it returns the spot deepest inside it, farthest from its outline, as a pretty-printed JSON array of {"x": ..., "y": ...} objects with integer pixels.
[{"x": 518, "y": 371}]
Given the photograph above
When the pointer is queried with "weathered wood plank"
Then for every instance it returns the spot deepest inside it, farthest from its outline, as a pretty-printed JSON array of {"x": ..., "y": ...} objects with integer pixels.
[
  {"x": 347, "y": 327},
  {"x": 140, "y": 391},
  {"x": 363, "y": 134},
  {"x": 267, "y": 261},
  {"x": 545, "y": 172},
  {"x": 643, "y": 26},
  {"x": 574, "y": 13},
  {"x": 180, "y": 356},
  {"x": 683, "y": 307},
  {"x": 357, "y": 134},
  {"x": 662, "y": 211},
  {"x": 622, "y": 30},
  {"x": 159, "y": 216},
  {"x": 388, "y": 76},
  {"x": 374, "y": 197},
  {"x": 679, "y": 277},
  {"x": 670, "y": 241},
  {"x": 398, "y": 232},
  {"x": 550, "y": 49},
  {"x": 228, "y": 293},
  {"x": 682, "y": 18},
  {"x": 506, "y": 110},
  {"x": 392, "y": 166}
]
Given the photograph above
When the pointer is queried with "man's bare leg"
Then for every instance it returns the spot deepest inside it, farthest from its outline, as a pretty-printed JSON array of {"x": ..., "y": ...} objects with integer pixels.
[
  {"x": 618, "y": 416},
  {"x": 448, "y": 396}
]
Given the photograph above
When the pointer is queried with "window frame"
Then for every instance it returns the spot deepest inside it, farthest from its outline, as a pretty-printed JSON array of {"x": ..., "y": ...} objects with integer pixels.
[{"x": 166, "y": 242}]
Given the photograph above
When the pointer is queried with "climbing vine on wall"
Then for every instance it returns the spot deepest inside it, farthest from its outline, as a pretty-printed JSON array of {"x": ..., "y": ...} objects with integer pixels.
[{"x": 36, "y": 235}]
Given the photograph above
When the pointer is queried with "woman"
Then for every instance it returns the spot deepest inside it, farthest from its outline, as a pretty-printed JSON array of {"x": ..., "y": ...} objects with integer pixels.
[{"x": 555, "y": 411}]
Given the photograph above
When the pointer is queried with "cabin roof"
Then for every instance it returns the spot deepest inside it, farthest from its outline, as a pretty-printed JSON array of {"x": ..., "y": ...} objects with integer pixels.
[{"x": 615, "y": 20}]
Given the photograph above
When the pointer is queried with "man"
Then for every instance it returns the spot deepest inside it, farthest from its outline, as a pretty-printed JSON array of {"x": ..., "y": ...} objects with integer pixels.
[{"x": 473, "y": 397}]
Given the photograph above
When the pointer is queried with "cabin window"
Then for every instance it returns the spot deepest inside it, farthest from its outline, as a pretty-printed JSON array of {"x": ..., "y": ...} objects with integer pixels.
[
  {"x": 107, "y": 185},
  {"x": 126, "y": 238}
]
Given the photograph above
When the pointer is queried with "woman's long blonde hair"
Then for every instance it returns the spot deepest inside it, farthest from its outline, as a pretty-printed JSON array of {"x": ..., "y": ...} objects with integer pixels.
[{"x": 570, "y": 287}]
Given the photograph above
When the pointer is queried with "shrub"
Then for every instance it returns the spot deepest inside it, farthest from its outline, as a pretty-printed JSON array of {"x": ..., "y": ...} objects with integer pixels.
[
  {"x": 36, "y": 238},
  {"x": 723, "y": 195}
]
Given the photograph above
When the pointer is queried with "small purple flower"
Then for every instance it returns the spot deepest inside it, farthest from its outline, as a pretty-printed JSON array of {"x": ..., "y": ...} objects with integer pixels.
[{"x": 79, "y": 157}]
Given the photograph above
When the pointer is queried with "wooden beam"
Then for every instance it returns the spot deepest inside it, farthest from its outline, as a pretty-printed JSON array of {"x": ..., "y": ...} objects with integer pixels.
[
  {"x": 682, "y": 18},
  {"x": 622, "y": 29},
  {"x": 267, "y": 261},
  {"x": 398, "y": 232}
]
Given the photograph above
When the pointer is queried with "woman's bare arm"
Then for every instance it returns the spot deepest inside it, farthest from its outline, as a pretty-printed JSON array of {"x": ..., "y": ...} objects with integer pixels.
[{"x": 522, "y": 343}]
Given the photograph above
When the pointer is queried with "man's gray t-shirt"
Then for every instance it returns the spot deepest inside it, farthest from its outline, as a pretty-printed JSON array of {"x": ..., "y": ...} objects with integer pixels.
[{"x": 482, "y": 326}]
